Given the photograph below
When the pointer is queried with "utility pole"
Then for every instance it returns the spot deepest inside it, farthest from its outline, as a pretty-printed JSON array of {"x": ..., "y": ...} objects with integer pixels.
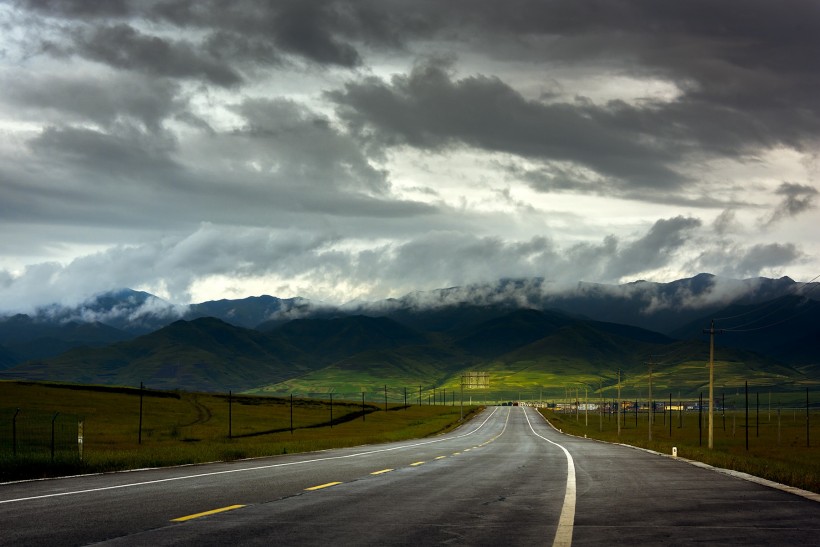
[
  {"x": 619, "y": 403},
  {"x": 461, "y": 419},
  {"x": 139, "y": 433},
  {"x": 651, "y": 405},
  {"x": 711, "y": 332}
]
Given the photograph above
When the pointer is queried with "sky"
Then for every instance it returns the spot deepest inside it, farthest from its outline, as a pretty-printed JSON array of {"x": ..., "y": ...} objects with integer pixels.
[{"x": 360, "y": 150}]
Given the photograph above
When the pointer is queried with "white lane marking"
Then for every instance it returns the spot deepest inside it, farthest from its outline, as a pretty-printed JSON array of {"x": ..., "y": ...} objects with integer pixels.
[
  {"x": 563, "y": 535},
  {"x": 245, "y": 469}
]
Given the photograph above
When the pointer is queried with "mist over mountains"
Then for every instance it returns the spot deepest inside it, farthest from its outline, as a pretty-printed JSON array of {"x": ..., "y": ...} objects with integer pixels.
[{"x": 127, "y": 336}]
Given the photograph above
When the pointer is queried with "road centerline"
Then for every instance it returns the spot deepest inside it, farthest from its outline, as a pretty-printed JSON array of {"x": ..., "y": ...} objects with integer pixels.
[
  {"x": 244, "y": 469},
  {"x": 207, "y": 513},
  {"x": 322, "y": 486}
]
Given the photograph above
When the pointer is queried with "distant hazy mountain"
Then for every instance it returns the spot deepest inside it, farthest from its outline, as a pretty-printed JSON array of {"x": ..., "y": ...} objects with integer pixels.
[
  {"x": 27, "y": 338},
  {"x": 681, "y": 309},
  {"x": 661, "y": 307},
  {"x": 787, "y": 328},
  {"x": 203, "y": 354},
  {"x": 209, "y": 354},
  {"x": 337, "y": 338},
  {"x": 8, "y": 358}
]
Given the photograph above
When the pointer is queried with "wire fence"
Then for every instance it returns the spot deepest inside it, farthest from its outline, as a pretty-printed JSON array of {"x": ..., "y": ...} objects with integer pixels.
[
  {"x": 741, "y": 417},
  {"x": 36, "y": 434}
]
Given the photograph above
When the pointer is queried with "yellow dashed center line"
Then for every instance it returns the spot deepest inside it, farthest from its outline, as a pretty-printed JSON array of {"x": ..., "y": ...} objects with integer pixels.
[
  {"x": 206, "y": 513},
  {"x": 440, "y": 457},
  {"x": 456, "y": 453},
  {"x": 416, "y": 464},
  {"x": 381, "y": 472},
  {"x": 326, "y": 485}
]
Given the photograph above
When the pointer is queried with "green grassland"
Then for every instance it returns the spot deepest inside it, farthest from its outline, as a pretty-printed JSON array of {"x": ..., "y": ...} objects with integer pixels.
[
  {"x": 777, "y": 438},
  {"x": 186, "y": 428}
]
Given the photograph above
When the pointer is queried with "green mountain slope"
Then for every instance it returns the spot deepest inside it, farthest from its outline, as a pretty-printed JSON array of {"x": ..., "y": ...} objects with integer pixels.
[
  {"x": 521, "y": 350},
  {"x": 203, "y": 354},
  {"x": 332, "y": 339}
]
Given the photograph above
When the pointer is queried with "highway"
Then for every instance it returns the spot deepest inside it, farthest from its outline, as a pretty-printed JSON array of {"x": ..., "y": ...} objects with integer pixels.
[{"x": 504, "y": 478}]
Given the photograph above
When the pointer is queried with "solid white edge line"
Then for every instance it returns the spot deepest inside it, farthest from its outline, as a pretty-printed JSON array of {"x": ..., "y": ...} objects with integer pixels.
[
  {"x": 566, "y": 522},
  {"x": 731, "y": 472},
  {"x": 245, "y": 469}
]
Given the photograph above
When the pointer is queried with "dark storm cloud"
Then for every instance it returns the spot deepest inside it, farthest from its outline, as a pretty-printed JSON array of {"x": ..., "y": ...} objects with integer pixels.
[
  {"x": 429, "y": 109},
  {"x": 131, "y": 119},
  {"x": 294, "y": 143},
  {"x": 797, "y": 198},
  {"x": 772, "y": 255},
  {"x": 321, "y": 32},
  {"x": 287, "y": 165},
  {"x": 80, "y": 8},
  {"x": 124, "y": 47},
  {"x": 101, "y": 100},
  {"x": 127, "y": 150},
  {"x": 655, "y": 248},
  {"x": 736, "y": 260},
  {"x": 745, "y": 68}
]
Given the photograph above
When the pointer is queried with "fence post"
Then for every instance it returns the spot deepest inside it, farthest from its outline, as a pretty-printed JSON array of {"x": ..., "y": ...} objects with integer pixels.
[
  {"x": 52, "y": 435},
  {"x": 230, "y": 414},
  {"x": 757, "y": 414},
  {"x": 139, "y": 434},
  {"x": 80, "y": 439},
  {"x": 747, "y": 415},
  {"x": 14, "y": 433}
]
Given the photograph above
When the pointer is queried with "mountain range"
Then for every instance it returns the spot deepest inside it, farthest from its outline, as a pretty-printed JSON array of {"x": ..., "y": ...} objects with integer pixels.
[{"x": 517, "y": 328}]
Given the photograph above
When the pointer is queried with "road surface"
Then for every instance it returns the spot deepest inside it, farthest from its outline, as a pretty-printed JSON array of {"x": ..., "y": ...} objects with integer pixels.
[{"x": 505, "y": 478}]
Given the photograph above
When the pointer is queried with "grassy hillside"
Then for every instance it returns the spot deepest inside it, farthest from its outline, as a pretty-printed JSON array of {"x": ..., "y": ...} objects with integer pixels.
[{"x": 527, "y": 353}]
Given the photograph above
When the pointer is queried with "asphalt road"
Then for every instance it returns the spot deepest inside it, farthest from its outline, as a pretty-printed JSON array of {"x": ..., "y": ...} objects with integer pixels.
[{"x": 506, "y": 478}]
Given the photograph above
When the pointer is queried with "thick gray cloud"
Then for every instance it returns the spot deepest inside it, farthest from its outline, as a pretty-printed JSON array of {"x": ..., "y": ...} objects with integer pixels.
[
  {"x": 429, "y": 109},
  {"x": 342, "y": 149},
  {"x": 732, "y": 259},
  {"x": 71, "y": 98},
  {"x": 797, "y": 199},
  {"x": 124, "y": 47}
]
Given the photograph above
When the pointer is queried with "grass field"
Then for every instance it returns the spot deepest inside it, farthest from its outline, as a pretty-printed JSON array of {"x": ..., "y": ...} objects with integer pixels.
[
  {"x": 777, "y": 439},
  {"x": 185, "y": 428}
]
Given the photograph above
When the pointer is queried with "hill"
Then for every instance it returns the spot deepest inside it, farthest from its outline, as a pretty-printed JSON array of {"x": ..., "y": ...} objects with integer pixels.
[
  {"x": 427, "y": 339},
  {"x": 28, "y": 338},
  {"x": 204, "y": 354},
  {"x": 660, "y": 307},
  {"x": 786, "y": 328}
]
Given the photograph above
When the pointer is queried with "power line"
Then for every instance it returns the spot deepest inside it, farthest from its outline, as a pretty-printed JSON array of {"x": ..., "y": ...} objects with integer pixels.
[
  {"x": 770, "y": 325},
  {"x": 757, "y": 309}
]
